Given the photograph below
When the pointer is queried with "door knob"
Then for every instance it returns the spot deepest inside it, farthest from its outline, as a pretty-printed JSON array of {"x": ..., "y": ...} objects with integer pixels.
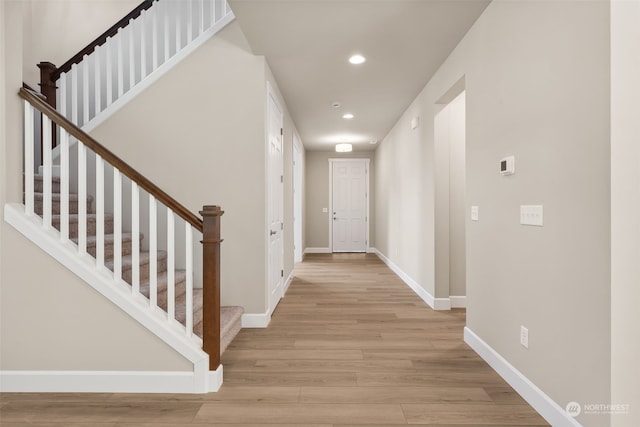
[{"x": 271, "y": 233}]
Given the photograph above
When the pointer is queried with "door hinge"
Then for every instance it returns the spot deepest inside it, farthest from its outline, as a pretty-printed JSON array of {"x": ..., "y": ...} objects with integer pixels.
[
  {"x": 281, "y": 178},
  {"x": 282, "y": 226},
  {"x": 281, "y": 273},
  {"x": 281, "y": 131}
]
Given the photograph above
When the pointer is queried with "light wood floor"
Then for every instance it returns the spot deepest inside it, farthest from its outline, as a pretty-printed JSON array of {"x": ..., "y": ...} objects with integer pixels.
[{"x": 349, "y": 345}]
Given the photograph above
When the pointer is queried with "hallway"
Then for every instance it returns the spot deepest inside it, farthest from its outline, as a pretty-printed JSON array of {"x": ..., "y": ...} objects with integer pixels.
[{"x": 350, "y": 344}]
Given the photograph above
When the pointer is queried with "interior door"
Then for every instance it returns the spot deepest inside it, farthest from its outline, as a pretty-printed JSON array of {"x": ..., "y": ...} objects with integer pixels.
[
  {"x": 275, "y": 197},
  {"x": 349, "y": 204}
]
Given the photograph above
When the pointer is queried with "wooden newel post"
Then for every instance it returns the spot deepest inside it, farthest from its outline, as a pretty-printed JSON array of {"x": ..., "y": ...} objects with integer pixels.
[
  {"x": 47, "y": 83},
  {"x": 211, "y": 283},
  {"x": 48, "y": 89}
]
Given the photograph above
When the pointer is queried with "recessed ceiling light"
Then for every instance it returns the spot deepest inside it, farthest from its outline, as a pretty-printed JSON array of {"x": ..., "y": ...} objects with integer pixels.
[
  {"x": 336, "y": 104},
  {"x": 373, "y": 141},
  {"x": 348, "y": 116},
  {"x": 357, "y": 59},
  {"x": 344, "y": 148}
]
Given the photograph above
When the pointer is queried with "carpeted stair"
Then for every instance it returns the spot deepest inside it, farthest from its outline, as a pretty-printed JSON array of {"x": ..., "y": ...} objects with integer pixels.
[{"x": 229, "y": 316}]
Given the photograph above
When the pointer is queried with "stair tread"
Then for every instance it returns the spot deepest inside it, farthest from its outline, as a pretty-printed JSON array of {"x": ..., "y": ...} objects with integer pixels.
[
  {"x": 108, "y": 239},
  {"x": 74, "y": 217},
  {"x": 144, "y": 259},
  {"x": 57, "y": 196},
  {"x": 229, "y": 315}
]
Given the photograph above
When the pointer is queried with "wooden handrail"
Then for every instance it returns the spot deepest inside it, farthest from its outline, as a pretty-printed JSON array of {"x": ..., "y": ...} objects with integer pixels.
[
  {"x": 146, "y": 4},
  {"x": 111, "y": 158}
]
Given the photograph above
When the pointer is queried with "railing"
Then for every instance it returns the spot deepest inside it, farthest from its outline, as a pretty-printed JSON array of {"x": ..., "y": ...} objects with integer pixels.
[
  {"x": 209, "y": 225},
  {"x": 124, "y": 55}
]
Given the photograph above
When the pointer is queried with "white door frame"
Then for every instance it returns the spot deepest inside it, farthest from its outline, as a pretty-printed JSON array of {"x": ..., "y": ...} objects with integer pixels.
[
  {"x": 271, "y": 305},
  {"x": 298, "y": 252},
  {"x": 366, "y": 172}
]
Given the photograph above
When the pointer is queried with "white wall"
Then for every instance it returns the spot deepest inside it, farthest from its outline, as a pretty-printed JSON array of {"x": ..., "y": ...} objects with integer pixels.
[
  {"x": 537, "y": 87},
  {"x": 49, "y": 318},
  {"x": 625, "y": 205}
]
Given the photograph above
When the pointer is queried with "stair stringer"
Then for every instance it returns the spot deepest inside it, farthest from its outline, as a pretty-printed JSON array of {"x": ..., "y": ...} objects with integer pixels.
[{"x": 201, "y": 380}]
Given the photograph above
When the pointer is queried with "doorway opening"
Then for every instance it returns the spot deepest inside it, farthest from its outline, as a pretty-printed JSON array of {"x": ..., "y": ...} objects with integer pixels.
[{"x": 297, "y": 199}]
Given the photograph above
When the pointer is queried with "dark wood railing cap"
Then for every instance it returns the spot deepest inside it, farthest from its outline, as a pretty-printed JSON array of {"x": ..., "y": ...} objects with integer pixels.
[
  {"x": 127, "y": 170},
  {"x": 211, "y": 211}
]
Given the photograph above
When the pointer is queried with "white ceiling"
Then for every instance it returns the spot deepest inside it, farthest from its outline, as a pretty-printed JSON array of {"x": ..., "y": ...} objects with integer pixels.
[{"x": 307, "y": 43}]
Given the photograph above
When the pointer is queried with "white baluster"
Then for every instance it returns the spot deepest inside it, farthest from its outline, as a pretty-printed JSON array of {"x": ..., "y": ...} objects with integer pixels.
[
  {"x": 171, "y": 279},
  {"x": 189, "y": 267},
  {"x": 97, "y": 82},
  {"x": 143, "y": 46},
  {"x": 29, "y": 142},
  {"x": 201, "y": 19},
  {"x": 189, "y": 21},
  {"x": 122, "y": 34},
  {"x": 109, "y": 71},
  {"x": 74, "y": 93},
  {"x": 100, "y": 212},
  {"x": 64, "y": 185},
  {"x": 153, "y": 251},
  {"x": 82, "y": 198},
  {"x": 154, "y": 37},
  {"x": 132, "y": 54},
  {"x": 62, "y": 94},
  {"x": 213, "y": 12},
  {"x": 117, "y": 224},
  {"x": 165, "y": 11},
  {"x": 135, "y": 238},
  {"x": 46, "y": 175},
  {"x": 84, "y": 65},
  {"x": 178, "y": 22}
]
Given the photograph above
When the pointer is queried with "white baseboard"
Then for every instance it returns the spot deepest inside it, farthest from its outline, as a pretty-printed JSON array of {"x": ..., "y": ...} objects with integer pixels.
[
  {"x": 108, "y": 382},
  {"x": 540, "y": 401},
  {"x": 317, "y": 251},
  {"x": 458, "y": 301},
  {"x": 419, "y": 290},
  {"x": 434, "y": 303},
  {"x": 287, "y": 283},
  {"x": 255, "y": 320}
]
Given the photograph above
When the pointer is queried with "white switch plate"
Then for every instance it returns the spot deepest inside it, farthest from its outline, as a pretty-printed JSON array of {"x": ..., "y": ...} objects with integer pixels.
[
  {"x": 531, "y": 215},
  {"x": 475, "y": 213},
  {"x": 524, "y": 336},
  {"x": 325, "y": 210}
]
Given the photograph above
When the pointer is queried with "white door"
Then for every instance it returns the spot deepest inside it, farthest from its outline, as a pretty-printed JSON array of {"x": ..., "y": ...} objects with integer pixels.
[
  {"x": 349, "y": 189},
  {"x": 297, "y": 200},
  {"x": 275, "y": 196}
]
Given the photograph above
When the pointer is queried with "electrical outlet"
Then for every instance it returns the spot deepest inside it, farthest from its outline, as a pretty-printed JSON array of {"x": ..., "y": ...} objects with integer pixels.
[
  {"x": 524, "y": 336},
  {"x": 475, "y": 213}
]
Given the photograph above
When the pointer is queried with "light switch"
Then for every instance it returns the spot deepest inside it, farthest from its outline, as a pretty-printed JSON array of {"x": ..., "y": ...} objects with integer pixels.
[
  {"x": 325, "y": 210},
  {"x": 531, "y": 215},
  {"x": 475, "y": 213}
]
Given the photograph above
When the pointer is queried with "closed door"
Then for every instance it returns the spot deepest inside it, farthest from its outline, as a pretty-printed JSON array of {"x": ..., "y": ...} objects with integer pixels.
[
  {"x": 349, "y": 205},
  {"x": 275, "y": 203}
]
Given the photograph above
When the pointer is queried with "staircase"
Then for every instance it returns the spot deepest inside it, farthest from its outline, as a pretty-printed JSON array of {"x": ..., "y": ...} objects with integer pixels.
[{"x": 230, "y": 317}]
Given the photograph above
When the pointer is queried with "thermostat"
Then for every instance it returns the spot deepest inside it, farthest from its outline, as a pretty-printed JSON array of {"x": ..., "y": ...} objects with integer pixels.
[{"x": 508, "y": 165}]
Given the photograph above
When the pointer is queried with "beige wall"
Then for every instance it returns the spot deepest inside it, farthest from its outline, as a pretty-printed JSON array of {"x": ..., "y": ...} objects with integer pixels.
[
  {"x": 49, "y": 318},
  {"x": 317, "y": 195},
  {"x": 49, "y": 38},
  {"x": 625, "y": 205},
  {"x": 537, "y": 83}
]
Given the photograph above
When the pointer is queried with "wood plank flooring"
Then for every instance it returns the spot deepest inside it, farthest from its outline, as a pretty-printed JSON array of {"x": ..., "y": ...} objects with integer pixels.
[{"x": 349, "y": 345}]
